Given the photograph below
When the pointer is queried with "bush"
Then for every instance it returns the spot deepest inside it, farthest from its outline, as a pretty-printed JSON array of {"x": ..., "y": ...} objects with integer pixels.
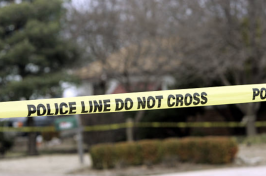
[
  {"x": 103, "y": 156},
  {"x": 170, "y": 147},
  {"x": 150, "y": 151},
  {"x": 169, "y": 151},
  {"x": 211, "y": 150},
  {"x": 187, "y": 149},
  {"x": 128, "y": 154},
  {"x": 220, "y": 150}
]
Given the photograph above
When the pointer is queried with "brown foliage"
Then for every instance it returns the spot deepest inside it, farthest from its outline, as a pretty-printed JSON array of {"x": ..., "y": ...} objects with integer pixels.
[{"x": 211, "y": 150}]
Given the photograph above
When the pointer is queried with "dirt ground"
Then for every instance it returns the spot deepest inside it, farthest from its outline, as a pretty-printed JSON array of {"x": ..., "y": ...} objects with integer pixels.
[{"x": 68, "y": 164}]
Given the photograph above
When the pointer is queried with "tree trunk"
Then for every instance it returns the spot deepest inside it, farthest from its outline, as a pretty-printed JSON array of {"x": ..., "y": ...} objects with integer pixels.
[
  {"x": 129, "y": 130},
  {"x": 137, "y": 118},
  {"x": 250, "y": 110},
  {"x": 251, "y": 129},
  {"x": 32, "y": 147}
]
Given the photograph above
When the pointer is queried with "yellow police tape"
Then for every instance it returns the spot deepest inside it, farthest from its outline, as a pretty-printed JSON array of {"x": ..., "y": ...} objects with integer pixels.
[
  {"x": 117, "y": 126},
  {"x": 135, "y": 101},
  {"x": 28, "y": 129},
  {"x": 169, "y": 125}
]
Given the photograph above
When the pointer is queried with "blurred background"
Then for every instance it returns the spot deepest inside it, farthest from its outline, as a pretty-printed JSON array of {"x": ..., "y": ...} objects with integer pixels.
[{"x": 68, "y": 48}]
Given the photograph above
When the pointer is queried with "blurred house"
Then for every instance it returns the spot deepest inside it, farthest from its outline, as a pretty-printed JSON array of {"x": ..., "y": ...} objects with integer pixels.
[
  {"x": 140, "y": 67},
  {"x": 146, "y": 66}
]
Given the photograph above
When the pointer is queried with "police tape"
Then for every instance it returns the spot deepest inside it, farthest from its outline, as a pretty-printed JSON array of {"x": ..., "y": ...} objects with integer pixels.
[
  {"x": 135, "y": 101},
  {"x": 28, "y": 129},
  {"x": 169, "y": 125},
  {"x": 108, "y": 127}
]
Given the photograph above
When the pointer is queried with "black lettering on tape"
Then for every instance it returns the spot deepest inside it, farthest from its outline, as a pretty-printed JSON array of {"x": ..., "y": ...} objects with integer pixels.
[
  {"x": 159, "y": 98},
  {"x": 256, "y": 92},
  {"x": 49, "y": 110},
  {"x": 204, "y": 98},
  {"x": 83, "y": 108},
  {"x": 72, "y": 107},
  {"x": 39, "y": 107},
  {"x": 31, "y": 110},
  {"x": 106, "y": 105},
  {"x": 169, "y": 104},
  {"x": 98, "y": 106},
  {"x": 142, "y": 102},
  {"x": 196, "y": 98},
  {"x": 119, "y": 104},
  {"x": 62, "y": 111},
  {"x": 56, "y": 109},
  {"x": 128, "y": 103},
  {"x": 150, "y": 102},
  {"x": 263, "y": 93},
  {"x": 188, "y": 99},
  {"x": 179, "y": 99},
  {"x": 91, "y": 106}
]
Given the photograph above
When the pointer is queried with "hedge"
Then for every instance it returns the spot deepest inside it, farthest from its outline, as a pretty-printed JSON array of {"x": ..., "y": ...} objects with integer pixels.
[
  {"x": 127, "y": 154},
  {"x": 211, "y": 150}
]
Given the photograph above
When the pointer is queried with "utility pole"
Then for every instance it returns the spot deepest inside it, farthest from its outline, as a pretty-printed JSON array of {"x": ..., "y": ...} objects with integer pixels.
[{"x": 80, "y": 140}]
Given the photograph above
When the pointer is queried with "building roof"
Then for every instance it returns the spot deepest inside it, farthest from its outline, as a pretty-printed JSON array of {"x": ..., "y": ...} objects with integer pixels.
[{"x": 148, "y": 57}]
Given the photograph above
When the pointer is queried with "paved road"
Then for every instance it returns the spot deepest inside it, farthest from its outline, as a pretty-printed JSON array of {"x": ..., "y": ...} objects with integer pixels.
[{"x": 244, "y": 171}]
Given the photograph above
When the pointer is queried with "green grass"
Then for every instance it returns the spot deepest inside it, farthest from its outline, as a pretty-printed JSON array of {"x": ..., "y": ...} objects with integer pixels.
[{"x": 258, "y": 139}]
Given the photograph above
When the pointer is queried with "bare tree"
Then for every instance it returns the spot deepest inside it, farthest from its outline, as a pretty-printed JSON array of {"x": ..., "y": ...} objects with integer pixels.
[
  {"x": 120, "y": 35},
  {"x": 126, "y": 41},
  {"x": 94, "y": 25},
  {"x": 217, "y": 40},
  {"x": 225, "y": 42}
]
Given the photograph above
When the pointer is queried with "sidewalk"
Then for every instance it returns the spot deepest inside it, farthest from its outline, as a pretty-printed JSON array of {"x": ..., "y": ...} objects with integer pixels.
[
  {"x": 60, "y": 165},
  {"x": 46, "y": 165},
  {"x": 244, "y": 171}
]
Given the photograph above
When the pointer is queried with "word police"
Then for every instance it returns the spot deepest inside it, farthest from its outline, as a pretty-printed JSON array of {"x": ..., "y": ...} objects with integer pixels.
[
  {"x": 125, "y": 104},
  {"x": 260, "y": 93}
]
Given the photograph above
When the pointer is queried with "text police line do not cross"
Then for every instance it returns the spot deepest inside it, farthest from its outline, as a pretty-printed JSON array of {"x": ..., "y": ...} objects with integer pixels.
[
  {"x": 135, "y": 101},
  {"x": 127, "y": 104}
]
